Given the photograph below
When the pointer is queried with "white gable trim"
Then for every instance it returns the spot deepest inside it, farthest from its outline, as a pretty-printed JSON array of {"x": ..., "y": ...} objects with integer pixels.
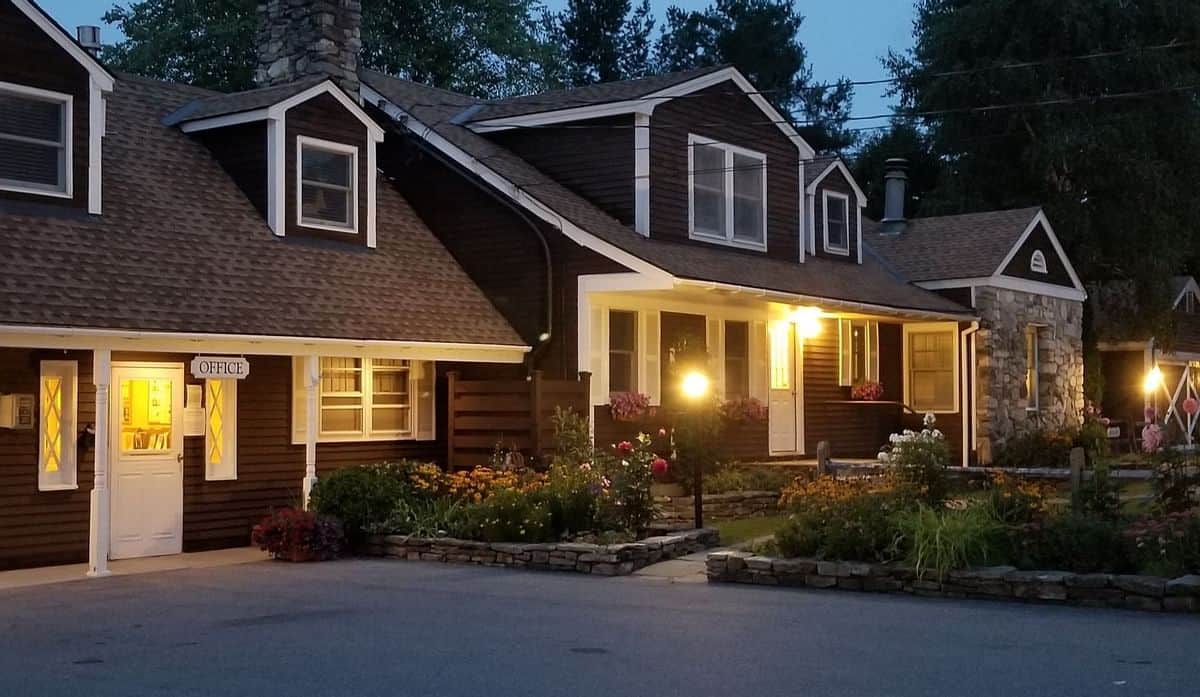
[
  {"x": 1190, "y": 286},
  {"x": 522, "y": 197},
  {"x": 840, "y": 166},
  {"x": 223, "y": 121},
  {"x": 103, "y": 79},
  {"x": 327, "y": 87},
  {"x": 1062, "y": 255},
  {"x": 1009, "y": 283}
]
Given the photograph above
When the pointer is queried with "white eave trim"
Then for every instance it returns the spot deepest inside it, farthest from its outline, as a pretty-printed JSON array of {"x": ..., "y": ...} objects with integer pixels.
[
  {"x": 103, "y": 79},
  {"x": 839, "y": 165},
  {"x": 1191, "y": 286},
  {"x": 799, "y": 298},
  {"x": 276, "y": 111},
  {"x": 1008, "y": 283},
  {"x": 1062, "y": 255},
  {"x": 516, "y": 193},
  {"x": 223, "y": 121}
]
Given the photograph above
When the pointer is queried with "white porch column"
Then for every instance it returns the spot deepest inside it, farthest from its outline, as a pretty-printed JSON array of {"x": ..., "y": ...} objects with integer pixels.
[
  {"x": 312, "y": 373},
  {"x": 98, "y": 540}
]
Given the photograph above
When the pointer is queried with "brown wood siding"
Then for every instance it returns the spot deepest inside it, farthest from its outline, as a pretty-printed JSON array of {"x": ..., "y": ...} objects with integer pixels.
[
  {"x": 31, "y": 58},
  {"x": 325, "y": 118},
  {"x": 242, "y": 152},
  {"x": 835, "y": 182},
  {"x": 593, "y": 158},
  {"x": 1056, "y": 270},
  {"x": 503, "y": 256},
  {"x": 718, "y": 114},
  {"x": 40, "y": 528},
  {"x": 741, "y": 442}
]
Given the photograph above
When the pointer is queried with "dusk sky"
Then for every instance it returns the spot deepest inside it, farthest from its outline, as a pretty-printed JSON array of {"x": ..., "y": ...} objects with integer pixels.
[{"x": 843, "y": 38}]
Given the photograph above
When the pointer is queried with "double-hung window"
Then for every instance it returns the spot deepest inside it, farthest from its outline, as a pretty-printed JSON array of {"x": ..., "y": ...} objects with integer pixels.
[
  {"x": 327, "y": 187},
  {"x": 35, "y": 140},
  {"x": 737, "y": 359},
  {"x": 836, "y": 222},
  {"x": 622, "y": 351},
  {"x": 727, "y": 194},
  {"x": 858, "y": 360},
  {"x": 364, "y": 398},
  {"x": 932, "y": 367},
  {"x": 1031, "y": 368}
]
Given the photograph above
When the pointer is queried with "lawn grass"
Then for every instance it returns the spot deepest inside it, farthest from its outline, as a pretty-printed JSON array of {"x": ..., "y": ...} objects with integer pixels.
[{"x": 745, "y": 529}]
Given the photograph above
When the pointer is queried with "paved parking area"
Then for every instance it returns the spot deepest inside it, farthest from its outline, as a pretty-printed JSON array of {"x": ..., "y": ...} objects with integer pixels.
[{"x": 377, "y": 627}]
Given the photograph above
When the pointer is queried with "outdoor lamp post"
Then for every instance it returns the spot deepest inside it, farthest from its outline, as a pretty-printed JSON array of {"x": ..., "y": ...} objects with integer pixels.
[{"x": 695, "y": 388}]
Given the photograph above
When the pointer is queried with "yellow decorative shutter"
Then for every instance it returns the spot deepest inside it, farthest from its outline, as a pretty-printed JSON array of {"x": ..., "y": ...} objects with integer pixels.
[
  {"x": 650, "y": 375},
  {"x": 715, "y": 347},
  {"x": 598, "y": 354},
  {"x": 845, "y": 351},
  {"x": 298, "y": 406},
  {"x": 426, "y": 402},
  {"x": 873, "y": 350},
  {"x": 758, "y": 361}
]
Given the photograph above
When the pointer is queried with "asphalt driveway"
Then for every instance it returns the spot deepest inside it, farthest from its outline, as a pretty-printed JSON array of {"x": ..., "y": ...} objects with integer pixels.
[{"x": 365, "y": 628}]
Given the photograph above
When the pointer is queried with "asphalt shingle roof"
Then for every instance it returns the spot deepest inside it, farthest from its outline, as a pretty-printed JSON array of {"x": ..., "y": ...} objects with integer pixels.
[
  {"x": 952, "y": 246},
  {"x": 870, "y": 283},
  {"x": 180, "y": 248},
  {"x": 237, "y": 102}
]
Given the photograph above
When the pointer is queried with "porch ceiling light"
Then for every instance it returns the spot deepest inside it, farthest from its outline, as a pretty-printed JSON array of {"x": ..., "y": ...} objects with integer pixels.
[
  {"x": 807, "y": 321},
  {"x": 1153, "y": 380},
  {"x": 695, "y": 385}
]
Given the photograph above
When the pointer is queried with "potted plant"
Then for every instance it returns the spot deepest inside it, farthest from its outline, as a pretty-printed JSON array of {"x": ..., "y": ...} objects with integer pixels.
[
  {"x": 628, "y": 406},
  {"x": 291, "y": 534},
  {"x": 867, "y": 391}
]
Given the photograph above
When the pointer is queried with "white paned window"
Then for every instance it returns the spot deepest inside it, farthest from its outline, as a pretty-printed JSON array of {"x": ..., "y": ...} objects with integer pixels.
[
  {"x": 737, "y": 359},
  {"x": 327, "y": 193},
  {"x": 931, "y": 365},
  {"x": 35, "y": 140},
  {"x": 220, "y": 429},
  {"x": 837, "y": 222},
  {"x": 622, "y": 351},
  {"x": 727, "y": 194},
  {"x": 363, "y": 398},
  {"x": 1031, "y": 368},
  {"x": 858, "y": 341},
  {"x": 58, "y": 409}
]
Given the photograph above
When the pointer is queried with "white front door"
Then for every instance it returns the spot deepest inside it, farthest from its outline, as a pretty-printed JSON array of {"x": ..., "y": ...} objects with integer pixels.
[
  {"x": 146, "y": 502},
  {"x": 785, "y": 407}
]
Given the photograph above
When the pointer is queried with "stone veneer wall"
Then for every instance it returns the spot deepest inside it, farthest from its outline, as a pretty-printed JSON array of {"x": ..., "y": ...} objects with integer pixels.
[
  {"x": 1004, "y": 316},
  {"x": 302, "y": 38},
  {"x": 998, "y": 583},
  {"x": 679, "y": 510},
  {"x": 602, "y": 560}
]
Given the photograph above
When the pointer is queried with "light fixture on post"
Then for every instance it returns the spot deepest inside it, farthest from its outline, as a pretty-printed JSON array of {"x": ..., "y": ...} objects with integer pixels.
[
  {"x": 807, "y": 321},
  {"x": 695, "y": 388},
  {"x": 1152, "y": 381}
]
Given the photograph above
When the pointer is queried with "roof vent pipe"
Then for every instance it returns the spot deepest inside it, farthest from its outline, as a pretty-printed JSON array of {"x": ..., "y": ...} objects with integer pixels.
[
  {"x": 89, "y": 38},
  {"x": 895, "y": 185}
]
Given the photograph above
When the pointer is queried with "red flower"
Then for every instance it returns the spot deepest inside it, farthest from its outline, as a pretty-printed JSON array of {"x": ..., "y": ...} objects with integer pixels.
[
  {"x": 625, "y": 447},
  {"x": 659, "y": 466},
  {"x": 662, "y": 431}
]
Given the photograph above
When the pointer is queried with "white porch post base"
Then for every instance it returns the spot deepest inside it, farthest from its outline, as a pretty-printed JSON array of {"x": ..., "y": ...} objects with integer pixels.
[
  {"x": 312, "y": 373},
  {"x": 99, "y": 527}
]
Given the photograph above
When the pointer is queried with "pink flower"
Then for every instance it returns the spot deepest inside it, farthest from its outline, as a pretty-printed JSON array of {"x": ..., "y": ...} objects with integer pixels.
[
  {"x": 625, "y": 447},
  {"x": 1191, "y": 406},
  {"x": 662, "y": 431},
  {"x": 586, "y": 467},
  {"x": 1152, "y": 438},
  {"x": 1105, "y": 421},
  {"x": 659, "y": 466},
  {"x": 1149, "y": 413}
]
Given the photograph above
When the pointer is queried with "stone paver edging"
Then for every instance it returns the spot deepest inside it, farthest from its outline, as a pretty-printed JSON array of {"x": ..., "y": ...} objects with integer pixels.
[
  {"x": 580, "y": 557},
  {"x": 997, "y": 583}
]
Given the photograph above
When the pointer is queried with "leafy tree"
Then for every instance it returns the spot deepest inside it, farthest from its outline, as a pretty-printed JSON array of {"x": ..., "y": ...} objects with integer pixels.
[
  {"x": 601, "y": 40},
  {"x": 760, "y": 38},
  {"x": 208, "y": 43},
  {"x": 1107, "y": 144}
]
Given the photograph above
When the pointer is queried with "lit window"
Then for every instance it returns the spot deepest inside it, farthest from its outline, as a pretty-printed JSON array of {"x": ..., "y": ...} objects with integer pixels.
[
  {"x": 737, "y": 359},
  {"x": 837, "y": 222},
  {"x": 35, "y": 144},
  {"x": 365, "y": 397},
  {"x": 1031, "y": 368},
  {"x": 932, "y": 359},
  {"x": 728, "y": 194},
  {"x": 57, "y": 409},
  {"x": 858, "y": 341},
  {"x": 327, "y": 185},
  {"x": 622, "y": 351},
  {"x": 220, "y": 434}
]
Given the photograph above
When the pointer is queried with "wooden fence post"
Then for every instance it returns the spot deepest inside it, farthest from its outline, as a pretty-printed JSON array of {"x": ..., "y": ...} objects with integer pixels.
[
  {"x": 1078, "y": 460},
  {"x": 823, "y": 458},
  {"x": 535, "y": 406},
  {"x": 451, "y": 387}
]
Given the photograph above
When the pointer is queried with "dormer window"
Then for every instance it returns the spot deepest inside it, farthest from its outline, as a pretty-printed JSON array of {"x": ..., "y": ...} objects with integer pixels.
[
  {"x": 727, "y": 194},
  {"x": 328, "y": 194},
  {"x": 837, "y": 222},
  {"x": 35, "y": 141}
]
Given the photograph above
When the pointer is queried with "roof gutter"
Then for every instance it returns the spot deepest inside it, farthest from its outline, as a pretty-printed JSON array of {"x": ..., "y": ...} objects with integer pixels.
[{"x": 866, "y": 308}]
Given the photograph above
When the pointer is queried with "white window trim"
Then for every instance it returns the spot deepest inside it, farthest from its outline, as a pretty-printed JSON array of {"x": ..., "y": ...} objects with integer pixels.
[
  {"x": 229, "y": 432},
  {"x": 924, "y": 328},
  {"x": 328, "y": 146},
  {"x": 1033, "y": 401},
  {"x": 730, "y": 151},
  {"x": 69, "y": 420},
  {"x": 1037, "y": 262},
  {"x": 637, "y": 353},
  {"x": 68, "y": 103},
  {"x": 845, "y": 199},
  {"x": 870, "y": 341},
  {"x": 368, "y": 433}
]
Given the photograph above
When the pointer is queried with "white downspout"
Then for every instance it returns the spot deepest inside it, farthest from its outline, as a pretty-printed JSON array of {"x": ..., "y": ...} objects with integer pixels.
[{"x": 967, "y": 386}]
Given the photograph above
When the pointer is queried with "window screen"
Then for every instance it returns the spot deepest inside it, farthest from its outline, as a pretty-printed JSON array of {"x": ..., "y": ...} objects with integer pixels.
[
  {"x": 326, "y": 187},
  {"x": 33, "y": 142}
]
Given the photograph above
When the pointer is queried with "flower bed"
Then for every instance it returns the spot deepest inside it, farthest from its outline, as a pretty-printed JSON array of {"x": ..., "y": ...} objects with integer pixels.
[
  {"x": 677, "y": 510},
  {"x": 585, "y": 558},
  {"x": 1134, "y": 592}
]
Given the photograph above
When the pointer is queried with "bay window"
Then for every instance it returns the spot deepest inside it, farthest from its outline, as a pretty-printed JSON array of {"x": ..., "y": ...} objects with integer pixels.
[{"x": 727, "y": 194}]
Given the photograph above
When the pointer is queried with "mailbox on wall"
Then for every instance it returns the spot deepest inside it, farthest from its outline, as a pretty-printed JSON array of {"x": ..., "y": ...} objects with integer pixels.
[{"x": 16, "y": 411}]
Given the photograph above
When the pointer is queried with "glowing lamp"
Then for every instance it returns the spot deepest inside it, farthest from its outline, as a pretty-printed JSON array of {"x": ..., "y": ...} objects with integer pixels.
[
  {"x": 695, "y": 385},
  {"x": 807, "y": 321},
  {"x": 1153, "y": 380}
]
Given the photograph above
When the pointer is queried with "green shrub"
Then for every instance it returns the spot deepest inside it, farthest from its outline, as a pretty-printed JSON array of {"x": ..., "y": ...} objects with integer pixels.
[
  {"x": 738, "y": 479},
  {"x": 364, "y": 497},
  {"x": 423, "y": 518},
  {"x": 1013, "y": 501},
  {"x": 943, "y": 540},
  {"x": 1081, "y": 544},
  {"x": 1041, "y": 449},
  {"x": 1166, "y": 544},
  {"x": 697, "y": 438},
  {"x": 625, "y": 500},
  {"x": 1176, "y": 480},
  {"x": 571, "y": 494},
  {"x": 509, "y": 516},
  {"x": 921, "y": 460},
  {"x": 856, "y": 528},
  {"x": 1099, "y": 496}
]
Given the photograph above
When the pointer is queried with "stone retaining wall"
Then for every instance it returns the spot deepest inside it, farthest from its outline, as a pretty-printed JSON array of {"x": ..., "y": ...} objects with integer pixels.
[
  {"x": 730, "y": 506},
  {"x": 602, "y": 560},
  {"x": 999, "y": 582}
]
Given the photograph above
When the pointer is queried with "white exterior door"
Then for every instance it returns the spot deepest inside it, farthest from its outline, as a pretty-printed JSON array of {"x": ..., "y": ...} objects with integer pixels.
[
  {"x": 785, "y": 407},
  {"x": 147, "y": 460}
]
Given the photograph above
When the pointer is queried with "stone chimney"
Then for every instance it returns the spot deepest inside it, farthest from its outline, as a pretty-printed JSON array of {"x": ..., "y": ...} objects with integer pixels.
[
  {"x": 302, "y": 38},
  {"x": 895, "y": 194}
]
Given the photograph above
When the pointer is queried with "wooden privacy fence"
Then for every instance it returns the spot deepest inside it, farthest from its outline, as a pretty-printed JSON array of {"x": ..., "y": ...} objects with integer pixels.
[{"x": 510, "y": 414}]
